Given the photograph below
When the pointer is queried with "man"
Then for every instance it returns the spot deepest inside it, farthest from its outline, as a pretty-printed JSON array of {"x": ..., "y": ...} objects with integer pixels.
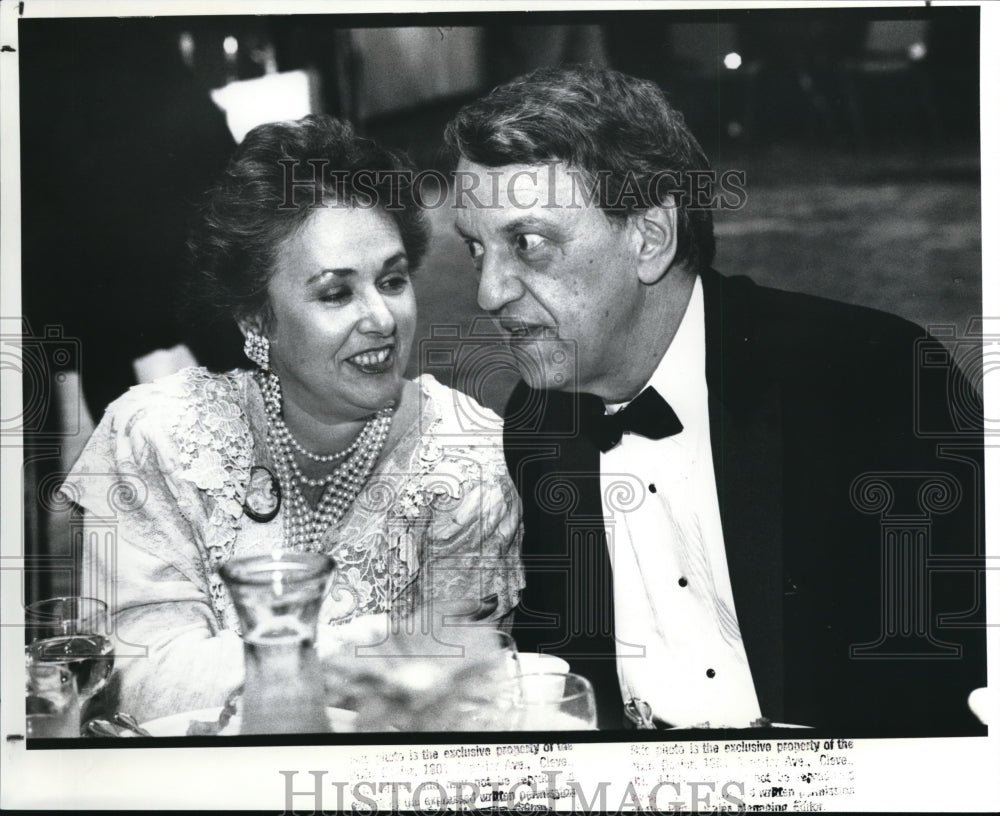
[{"x": 727, "y": 508}]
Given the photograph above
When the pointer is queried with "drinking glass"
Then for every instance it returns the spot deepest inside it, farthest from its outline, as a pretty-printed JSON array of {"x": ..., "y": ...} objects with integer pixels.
[
  {"x": 52, "y": 704},
  {"x": 74, "y": 632},
  {"x": 278, "y": 600},
  {"x": 549, "y": 701}
]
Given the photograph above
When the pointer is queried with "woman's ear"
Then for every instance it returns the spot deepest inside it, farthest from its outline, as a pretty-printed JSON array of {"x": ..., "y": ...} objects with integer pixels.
[
  {"x": 253, "y": 324},
  {"x": 657, "y": 230}
]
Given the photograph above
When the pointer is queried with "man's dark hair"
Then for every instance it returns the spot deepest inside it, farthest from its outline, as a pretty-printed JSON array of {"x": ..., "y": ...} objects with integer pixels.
[
  {"x": 620, "y": 131},
  {"x": 252, "y": 208}
]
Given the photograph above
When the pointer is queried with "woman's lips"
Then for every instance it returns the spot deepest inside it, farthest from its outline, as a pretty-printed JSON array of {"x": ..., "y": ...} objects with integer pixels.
[{"x": 374, "y": 361}]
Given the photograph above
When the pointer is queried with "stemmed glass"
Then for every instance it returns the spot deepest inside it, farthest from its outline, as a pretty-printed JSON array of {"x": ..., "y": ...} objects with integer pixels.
[{"x": 72, "y": 632}]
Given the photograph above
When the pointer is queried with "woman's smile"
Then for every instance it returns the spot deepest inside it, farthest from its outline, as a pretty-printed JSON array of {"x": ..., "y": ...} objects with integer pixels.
[{"x": 374, "y": 361}]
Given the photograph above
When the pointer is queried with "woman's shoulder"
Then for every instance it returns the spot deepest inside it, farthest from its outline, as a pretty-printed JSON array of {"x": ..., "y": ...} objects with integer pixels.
[
  {"x": 191, "y": 427},
  {"x": 459, "y": 436},
  {"x": 192, "y": 415},
  {"x": 193, "y": 389},
  {"x": 457, "y": 417}
]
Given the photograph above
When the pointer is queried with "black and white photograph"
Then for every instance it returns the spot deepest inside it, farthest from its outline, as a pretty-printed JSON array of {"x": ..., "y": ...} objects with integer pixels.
[{"x": 519, "y": 406}]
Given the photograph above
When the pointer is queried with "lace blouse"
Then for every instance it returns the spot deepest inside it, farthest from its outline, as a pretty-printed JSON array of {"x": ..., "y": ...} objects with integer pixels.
[{"x": 162, "y": 482}]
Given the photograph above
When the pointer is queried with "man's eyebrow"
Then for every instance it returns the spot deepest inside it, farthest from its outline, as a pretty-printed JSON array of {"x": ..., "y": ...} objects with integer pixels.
[
  {"x": 525, "y": 224},
  {"x": 518, "y": 225}
]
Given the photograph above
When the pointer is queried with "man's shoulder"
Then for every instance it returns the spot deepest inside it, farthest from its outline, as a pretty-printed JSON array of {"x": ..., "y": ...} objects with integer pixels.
[
  {"x": 800, "y": 335},
  {"x": 540, "y": 427},
  {"x": 847, "y": 357},
  {"x": 776, "y": 311},
  {"x": 547, "y": 413}
]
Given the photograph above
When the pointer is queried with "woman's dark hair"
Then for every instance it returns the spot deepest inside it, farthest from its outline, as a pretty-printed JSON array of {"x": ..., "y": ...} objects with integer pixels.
[
  {"x": 279, "y": 174},
  {"x": 620, "y": 131}
]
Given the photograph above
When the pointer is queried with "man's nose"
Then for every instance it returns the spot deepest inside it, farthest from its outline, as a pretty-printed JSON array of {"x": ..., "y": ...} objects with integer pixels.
[
  {"x": 376, "y": 316},
  {"x": 498, "y": 286}
]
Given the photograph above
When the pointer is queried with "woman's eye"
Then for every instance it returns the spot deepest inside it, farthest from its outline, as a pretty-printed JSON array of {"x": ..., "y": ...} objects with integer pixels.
[
  {"x": 528, "y": 241},
  {"x": 336, "y": 296},
  {"x": 395, "y": 283}
]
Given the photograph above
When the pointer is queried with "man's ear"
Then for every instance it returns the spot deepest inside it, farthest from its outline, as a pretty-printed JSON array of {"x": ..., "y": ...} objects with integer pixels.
[{"x": 657, "y": 231}]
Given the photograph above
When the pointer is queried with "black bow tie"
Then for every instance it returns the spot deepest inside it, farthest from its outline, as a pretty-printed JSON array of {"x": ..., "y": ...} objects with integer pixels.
[{"x": 648, "y": 415}]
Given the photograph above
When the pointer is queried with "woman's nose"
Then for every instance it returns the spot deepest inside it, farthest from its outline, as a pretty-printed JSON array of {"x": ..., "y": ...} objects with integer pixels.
[{"x": 376, "y": 317}]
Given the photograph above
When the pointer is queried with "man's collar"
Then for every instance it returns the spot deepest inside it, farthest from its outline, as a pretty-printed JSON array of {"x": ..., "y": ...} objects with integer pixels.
[{"x": 679, "y": 377}]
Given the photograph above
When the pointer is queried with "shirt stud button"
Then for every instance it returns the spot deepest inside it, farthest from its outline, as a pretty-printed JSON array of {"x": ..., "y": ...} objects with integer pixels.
[
  {"x": 652, "y": 487},
  {"x": 710, "y": 673},
  {"x": 683, "y": 582}
]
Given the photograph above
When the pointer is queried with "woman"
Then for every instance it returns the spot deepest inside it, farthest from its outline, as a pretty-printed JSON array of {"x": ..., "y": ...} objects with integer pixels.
[{"x": 323, "y": 446}]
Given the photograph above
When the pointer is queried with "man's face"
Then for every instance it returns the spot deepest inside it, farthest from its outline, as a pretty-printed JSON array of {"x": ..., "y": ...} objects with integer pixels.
[{"x": 557, "y": 274}]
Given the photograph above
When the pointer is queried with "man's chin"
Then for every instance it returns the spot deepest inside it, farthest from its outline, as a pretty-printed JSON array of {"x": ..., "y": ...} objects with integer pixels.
[
  {"x": 540, "y": 373},
  {"x": 540, "y": 382}
]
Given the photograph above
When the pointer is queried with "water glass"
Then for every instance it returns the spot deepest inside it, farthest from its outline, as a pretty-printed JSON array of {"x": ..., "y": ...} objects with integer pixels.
[
  {"x": 52, "y": 704},
  {"x": 74, "y": 632}
]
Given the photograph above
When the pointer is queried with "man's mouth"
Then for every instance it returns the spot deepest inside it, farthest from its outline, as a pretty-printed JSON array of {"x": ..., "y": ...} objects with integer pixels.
[
  {"x": 519, "y": 330},
  {"x": 374, "y": 361}
]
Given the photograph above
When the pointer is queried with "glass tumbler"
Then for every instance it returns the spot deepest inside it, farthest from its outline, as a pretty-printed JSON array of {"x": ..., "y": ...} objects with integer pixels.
[{"x": 52, "y": 705}]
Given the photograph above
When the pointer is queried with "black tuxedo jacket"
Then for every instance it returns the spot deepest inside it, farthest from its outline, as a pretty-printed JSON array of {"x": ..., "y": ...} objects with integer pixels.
[{"x": 848, "y": 462}]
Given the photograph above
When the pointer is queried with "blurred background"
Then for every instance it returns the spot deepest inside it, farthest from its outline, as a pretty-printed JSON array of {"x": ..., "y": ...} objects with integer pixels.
[{"x": 858, "y": 131}]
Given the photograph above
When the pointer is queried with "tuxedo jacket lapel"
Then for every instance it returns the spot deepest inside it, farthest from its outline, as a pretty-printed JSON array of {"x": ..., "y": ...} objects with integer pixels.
[
  {"x": 745, "y": 410},
  {"x": 568, "y": 609}
]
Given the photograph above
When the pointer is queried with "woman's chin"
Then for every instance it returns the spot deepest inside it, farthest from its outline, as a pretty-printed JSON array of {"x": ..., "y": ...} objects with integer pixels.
[{"x": 375, "y": 391}]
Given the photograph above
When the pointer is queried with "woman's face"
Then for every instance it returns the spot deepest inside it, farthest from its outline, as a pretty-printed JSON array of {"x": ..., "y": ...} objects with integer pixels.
[{"x": 343, "y": 313}]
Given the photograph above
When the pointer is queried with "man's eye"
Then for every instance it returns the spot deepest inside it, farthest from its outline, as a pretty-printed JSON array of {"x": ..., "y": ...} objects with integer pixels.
[
  {"x": 528, "y": 241},
  {"x": 476, "y": 249}
]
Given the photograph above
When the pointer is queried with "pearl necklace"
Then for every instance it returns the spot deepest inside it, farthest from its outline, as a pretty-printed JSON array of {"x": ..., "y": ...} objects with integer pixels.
[
  {"x": 305, "y": 525},
  {"x": 325, "y": 458}
]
